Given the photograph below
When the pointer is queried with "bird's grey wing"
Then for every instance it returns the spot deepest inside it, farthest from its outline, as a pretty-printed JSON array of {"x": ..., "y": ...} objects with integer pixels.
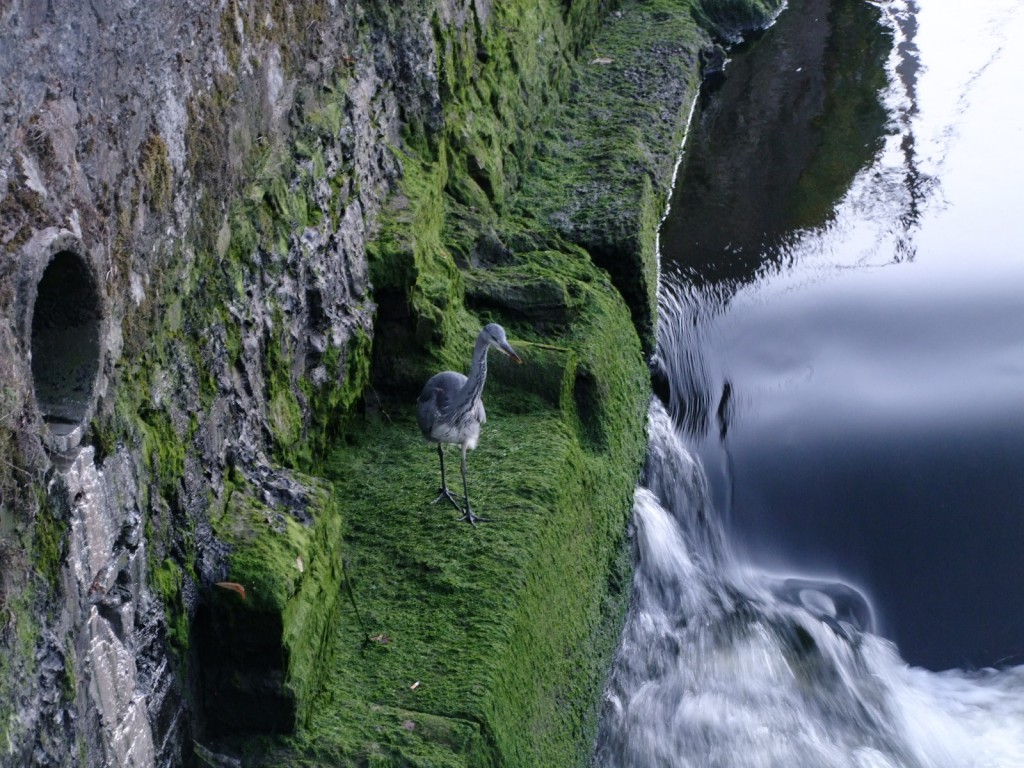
[
  {"x": 426, "y": 409},
  {"x": 436, "y": 399}
]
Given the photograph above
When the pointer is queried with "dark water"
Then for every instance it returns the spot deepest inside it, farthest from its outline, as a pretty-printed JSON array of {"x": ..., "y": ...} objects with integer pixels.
[
  {"x": 845, "y": 257},
  {"x": 834, "y": 485}
]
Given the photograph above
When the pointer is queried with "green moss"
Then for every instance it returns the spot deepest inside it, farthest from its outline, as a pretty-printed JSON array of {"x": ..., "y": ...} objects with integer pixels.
[
  {"x": 231, "y": 34},
  {"x": 21, "y": 593},
  {"x": 164, "y": 449},
  {"x": 727, "y": 19},
  {"x": 10, "y": 406},
  {"x": 347, "y": 373},
  {"x": 69, "y": 683},
  {"x": 411, "y": 259},
  {"x": 155, "y": 172},
  {"x": 602, "y": 172},
  {"x": 289, "y": 567},
  {"x": 484, "y": 646},
  {"x": 266, "y": 547},
  {"x": 161, "y": 441},
  {"x": 167, "y": 579},
  {"x": 285, "y": 414},
  {"x": 488, "y": 645},
  {"x": 49, "y": 542},
  {"x": 497, "y": 81},
  {"x": 186, "y": 337}
]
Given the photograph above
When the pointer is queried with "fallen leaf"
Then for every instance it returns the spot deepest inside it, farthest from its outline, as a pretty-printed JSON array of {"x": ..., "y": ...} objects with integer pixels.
[{"x": 232, "y": 586}]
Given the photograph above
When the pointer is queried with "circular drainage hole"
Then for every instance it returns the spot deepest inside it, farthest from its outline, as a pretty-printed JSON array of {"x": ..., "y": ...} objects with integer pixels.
[{"x": 65, "y": 341}]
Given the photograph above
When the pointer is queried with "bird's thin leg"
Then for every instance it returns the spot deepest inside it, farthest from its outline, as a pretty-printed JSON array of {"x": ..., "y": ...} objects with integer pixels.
[
  {"x": 443, "y": 492},
  {"x": 468, "y": 515}
]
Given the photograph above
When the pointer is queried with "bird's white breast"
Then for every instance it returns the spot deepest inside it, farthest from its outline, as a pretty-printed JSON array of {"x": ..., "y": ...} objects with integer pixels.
[{"x": 465, "y": 431}]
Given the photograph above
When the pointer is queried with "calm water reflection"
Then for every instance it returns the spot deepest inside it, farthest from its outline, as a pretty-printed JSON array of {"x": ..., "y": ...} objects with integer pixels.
[{"x": 849, "y": 254}]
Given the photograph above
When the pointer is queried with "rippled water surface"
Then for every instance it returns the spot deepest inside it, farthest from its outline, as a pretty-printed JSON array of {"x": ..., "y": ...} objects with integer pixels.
[{"x": 872, "y": 363}]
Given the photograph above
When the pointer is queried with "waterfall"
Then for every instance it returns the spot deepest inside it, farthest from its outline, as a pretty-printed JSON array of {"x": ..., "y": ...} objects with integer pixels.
[
  {"x": 722, "y": 664},
  {"x": 734, "y": 658}
]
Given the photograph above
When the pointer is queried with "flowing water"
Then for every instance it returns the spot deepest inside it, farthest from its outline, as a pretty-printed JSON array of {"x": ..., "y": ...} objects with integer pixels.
[{"x": 830, "y": 534}]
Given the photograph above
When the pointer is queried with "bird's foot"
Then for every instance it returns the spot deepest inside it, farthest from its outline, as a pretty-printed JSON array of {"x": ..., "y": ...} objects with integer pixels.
[
  {"x": 469, "y": 517},
  {"x": 454, "y": 498}
]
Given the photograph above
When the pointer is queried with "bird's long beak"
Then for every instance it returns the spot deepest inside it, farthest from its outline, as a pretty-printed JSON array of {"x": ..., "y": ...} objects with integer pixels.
[{"x": 511, "y": 353}]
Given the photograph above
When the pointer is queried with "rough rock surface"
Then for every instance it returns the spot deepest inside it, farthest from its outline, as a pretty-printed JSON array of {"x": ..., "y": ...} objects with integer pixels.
[{"x": 126, "y": 130}]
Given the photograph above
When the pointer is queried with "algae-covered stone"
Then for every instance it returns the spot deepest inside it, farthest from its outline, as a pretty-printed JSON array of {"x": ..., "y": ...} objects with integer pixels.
[
  {"x": 603, "y": 173},
  {"x": 500, "y": 633},
  {"x": 262, "y": 630}
]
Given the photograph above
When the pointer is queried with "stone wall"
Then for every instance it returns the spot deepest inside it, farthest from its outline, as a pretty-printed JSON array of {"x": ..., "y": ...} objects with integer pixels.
[{"x": 147, "y": 145}]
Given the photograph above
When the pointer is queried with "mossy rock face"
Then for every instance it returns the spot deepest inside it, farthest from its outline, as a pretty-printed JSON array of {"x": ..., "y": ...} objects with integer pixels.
[
  {"x": 544, "y": 290},
  {"x": 261, "y": 632},
  {"x": 731, "y": 20},
  {"x": 488, "y": 645},
  {"x": 603, "y": 171}
]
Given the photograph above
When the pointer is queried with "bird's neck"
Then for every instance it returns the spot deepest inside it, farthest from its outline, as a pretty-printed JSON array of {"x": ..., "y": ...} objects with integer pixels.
[{"x": 474, "y": 385}]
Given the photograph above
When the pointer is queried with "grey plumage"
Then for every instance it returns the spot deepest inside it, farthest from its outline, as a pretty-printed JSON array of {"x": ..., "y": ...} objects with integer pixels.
[{"x": 450, "y": 410}]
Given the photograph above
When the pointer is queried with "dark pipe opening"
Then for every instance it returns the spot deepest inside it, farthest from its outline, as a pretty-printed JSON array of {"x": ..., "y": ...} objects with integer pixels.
[
  {"x": 65, "y": 341},
  {"x": 242, "y": 671}
]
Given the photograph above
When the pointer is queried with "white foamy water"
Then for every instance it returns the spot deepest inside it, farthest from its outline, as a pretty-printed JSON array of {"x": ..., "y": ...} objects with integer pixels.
[{"x": 721, "y": 665}]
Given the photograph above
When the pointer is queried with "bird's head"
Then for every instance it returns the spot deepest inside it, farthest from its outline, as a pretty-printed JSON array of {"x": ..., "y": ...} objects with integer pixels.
[{"x": 495, "y": 336}]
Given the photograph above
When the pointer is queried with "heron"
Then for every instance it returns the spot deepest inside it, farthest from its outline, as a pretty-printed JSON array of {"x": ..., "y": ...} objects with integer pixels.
[{"x": 450, "y": 411}]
